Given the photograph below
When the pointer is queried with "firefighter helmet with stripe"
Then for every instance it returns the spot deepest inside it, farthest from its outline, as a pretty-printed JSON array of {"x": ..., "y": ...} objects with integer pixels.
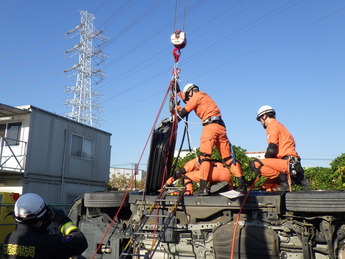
[
  {"x": 29, "y": 208},
  {"x": 188, "y": 87},
  {"x": 265, "y": 110}
]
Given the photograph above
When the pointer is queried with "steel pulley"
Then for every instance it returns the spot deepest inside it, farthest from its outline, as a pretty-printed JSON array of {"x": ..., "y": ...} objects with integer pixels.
[{"x": 178, "y": 39}]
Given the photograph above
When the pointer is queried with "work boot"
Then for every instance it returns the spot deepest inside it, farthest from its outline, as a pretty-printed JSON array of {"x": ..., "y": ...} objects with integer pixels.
[
  {"x": 242, "y": 186},
  {"x": 284, "y": 186},
  {"x": 219, "y": 187},
  {"x": 300, "y": 179},
  {"x": 203, "y": 189}
]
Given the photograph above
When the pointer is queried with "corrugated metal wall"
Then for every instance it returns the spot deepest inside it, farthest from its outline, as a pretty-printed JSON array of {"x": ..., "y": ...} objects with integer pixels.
[{"x": 51, "y": 170}]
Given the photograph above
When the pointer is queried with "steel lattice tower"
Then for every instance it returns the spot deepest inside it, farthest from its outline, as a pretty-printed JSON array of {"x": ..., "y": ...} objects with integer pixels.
[{"x": 84, "y": 103}]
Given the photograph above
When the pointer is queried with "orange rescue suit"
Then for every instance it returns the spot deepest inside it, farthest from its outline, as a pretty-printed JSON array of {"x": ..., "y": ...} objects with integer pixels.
[
  {"x": 278, "y": 134},
  {"x": 218, "y": 173},
  {"x": 213, "y": 134}
]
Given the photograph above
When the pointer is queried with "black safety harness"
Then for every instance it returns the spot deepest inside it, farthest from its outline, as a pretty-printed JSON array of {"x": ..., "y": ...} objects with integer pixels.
[{"x": 213, "y": 119}]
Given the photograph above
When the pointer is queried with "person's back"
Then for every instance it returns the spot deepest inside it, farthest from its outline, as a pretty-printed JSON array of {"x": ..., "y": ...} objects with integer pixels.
[
  {"x": 278, "y": 134},
  {"x": 31, "y": 238},
  {"x": 203, "y": 105},
  {"x": 31, "y": 242}
]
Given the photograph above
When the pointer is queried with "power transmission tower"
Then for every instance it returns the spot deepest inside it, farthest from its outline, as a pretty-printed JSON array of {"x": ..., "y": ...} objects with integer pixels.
[{"x": 84, "y": 103}]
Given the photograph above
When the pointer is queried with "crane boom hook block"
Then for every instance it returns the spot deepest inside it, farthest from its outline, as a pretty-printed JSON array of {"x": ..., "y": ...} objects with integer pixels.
[{"x": 178, "y": 39}]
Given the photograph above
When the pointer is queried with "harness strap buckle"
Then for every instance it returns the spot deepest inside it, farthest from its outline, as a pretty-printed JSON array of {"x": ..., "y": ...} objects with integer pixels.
[{"x": 212, "y": 119}]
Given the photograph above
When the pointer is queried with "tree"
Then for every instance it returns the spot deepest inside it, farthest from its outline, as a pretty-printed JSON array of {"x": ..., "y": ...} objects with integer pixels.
[
  {"x": 338, "y": 172},
  {"x": 338, "y": 162},
  {"x": 318, "y": 178},
  {"x": 324, "y": 178},
  {"x": 121, "y": 183}
]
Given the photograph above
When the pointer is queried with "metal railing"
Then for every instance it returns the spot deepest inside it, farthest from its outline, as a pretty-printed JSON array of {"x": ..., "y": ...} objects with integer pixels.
[{"x": 12, "y": 156}]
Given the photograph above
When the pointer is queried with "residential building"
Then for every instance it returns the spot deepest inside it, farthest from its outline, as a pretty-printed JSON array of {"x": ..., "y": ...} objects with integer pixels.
[{"x": 138, "y": 175}]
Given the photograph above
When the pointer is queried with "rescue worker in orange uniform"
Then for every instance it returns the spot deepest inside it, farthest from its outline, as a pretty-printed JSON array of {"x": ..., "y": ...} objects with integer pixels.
[
  {"x": 213, "y": 134},
  {"x": 281, "y": 156},
  {"x": 190, "y": 173}
]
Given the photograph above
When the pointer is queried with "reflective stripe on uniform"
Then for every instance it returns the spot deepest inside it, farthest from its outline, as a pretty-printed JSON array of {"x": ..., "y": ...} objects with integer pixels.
[{"x": 67, "y": 228}]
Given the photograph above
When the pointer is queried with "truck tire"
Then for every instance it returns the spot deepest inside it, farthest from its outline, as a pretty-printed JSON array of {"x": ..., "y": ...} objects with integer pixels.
[
  {"x": 104, "y": 199},
  {"x": 315, "y": 201}
]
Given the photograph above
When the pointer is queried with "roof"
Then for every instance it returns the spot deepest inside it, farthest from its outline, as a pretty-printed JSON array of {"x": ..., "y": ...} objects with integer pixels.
[{"x": 6, "y": 110}]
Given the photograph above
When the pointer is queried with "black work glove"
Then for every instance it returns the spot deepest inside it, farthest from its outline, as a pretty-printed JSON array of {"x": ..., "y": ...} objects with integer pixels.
[
  {"x": 174, "y": 84},
  {"x": 173, "y": 105},
  {"x": 178, "y": 173},
  {"x": 178, "y": 88}
]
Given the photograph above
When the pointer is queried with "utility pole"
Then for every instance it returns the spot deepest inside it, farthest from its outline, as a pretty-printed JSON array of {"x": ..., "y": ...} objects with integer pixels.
[
  {"x": 135, "y": 172},
  {"x": 85, "y": 108}
]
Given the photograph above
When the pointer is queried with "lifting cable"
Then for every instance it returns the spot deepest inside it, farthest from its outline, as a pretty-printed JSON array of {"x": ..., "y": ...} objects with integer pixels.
[
  {"x": 177, "y": 14},
  {"x": 178, "y": 38},
  {"x": 179, "y": 41}
]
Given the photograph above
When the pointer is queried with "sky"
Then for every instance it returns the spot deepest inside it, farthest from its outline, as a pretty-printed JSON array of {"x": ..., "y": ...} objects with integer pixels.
[{"x": 244, "y": 54}]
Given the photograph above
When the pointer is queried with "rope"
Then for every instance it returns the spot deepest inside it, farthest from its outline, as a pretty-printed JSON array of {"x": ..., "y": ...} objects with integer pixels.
[
  {"x": 131, "y": 181},
  {"x": 173, "y": 101},
  {"x": 238, "y": 218},
  {"x": 181, "y": 145}
]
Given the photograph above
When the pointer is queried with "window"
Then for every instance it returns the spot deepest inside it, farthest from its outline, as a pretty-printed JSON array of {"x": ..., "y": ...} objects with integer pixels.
[
  {"x": 82, "y": 147},
  {"x": 11, "y": 131},
  {"x": 87, "y": 148}
]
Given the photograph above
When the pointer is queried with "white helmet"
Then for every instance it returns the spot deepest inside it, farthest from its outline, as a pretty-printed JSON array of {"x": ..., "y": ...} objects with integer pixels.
[
  {"x": 189, "y": 87},
  {"x": 29, "y": 207},
  {"x": 264, "y": 110}
]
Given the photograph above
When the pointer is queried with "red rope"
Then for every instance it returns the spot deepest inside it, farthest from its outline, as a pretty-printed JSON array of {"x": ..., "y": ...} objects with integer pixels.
[
  {"x": 238, "y": 218},
  {"x": 174, "y": 128},
  {"x": 176, "y": 72},
  {"x": 131, "y": 181}
]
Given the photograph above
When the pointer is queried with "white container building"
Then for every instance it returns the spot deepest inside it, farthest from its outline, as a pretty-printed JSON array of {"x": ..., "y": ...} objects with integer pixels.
[{"x": 51, "y": 155}]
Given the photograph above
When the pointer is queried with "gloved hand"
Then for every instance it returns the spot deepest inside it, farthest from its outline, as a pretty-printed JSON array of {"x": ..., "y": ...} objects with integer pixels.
[
  {"x": 174, "y": 84},
  {"x": 173, "y": 106},
  {"x": 179, "y": 172},
  {"x": 178, "y": 88}
]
